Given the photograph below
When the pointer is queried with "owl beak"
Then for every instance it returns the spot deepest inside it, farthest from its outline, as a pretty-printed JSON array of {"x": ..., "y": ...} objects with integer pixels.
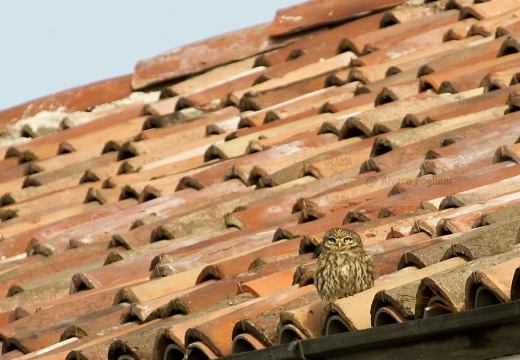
[{"x": 340, "y": 244}]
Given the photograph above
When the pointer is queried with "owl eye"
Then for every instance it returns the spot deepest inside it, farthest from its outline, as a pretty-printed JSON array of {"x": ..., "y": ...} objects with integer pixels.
[
  {"x": 331, "y": 240},
  {"x": 347, "y": 239}
]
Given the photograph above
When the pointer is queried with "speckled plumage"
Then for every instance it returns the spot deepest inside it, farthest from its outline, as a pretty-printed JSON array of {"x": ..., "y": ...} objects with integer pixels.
[{"x": 344, "y": 268}]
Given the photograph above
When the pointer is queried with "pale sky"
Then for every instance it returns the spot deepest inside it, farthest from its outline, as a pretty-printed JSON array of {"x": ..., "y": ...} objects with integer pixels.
[{"x": 51, "y": 45}]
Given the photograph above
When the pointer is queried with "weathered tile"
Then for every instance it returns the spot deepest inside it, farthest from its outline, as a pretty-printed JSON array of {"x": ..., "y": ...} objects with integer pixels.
[
  {"x": 451, "y": 294},
  {"x": 424, "y": 47},
  {"x": 48, "y": 146},
  {"x": 340, "y": 316},
  {"x": 238, "y": 146},
  {"x": 315, "y": 13},
  {"x": 218, "y": 93},
  {"x": 47, "y": 266},
  {"x": 53, "y": 328},
  {"x": 233, "y": 46},
  {"x": 80, "y": 98},
  {"x": 310, "y": 71},
  {"x": 217, "y": 334},
  {"x": 467, "y": 77},
  {"x": 489, "y": 9},
  {"x": 162, "y": 219},
  {"x": 384, "y": 38},
  {"x": 490, "y": 286},
  {"x": 395, "y": 305}
]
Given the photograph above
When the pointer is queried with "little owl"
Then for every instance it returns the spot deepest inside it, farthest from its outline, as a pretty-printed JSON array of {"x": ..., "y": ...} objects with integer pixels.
[{"x": 344, "y": 268}]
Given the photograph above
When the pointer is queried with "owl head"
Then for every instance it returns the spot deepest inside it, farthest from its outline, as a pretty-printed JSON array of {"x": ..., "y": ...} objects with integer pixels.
[{"x": 339, "y": 239}]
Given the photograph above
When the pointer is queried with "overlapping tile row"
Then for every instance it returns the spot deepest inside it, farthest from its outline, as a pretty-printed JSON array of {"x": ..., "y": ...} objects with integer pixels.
[{"x": 175, "y": 212}]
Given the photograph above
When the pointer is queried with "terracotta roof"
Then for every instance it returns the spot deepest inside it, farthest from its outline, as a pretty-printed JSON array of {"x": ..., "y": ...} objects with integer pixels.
[{"x": 176, "y": 211}]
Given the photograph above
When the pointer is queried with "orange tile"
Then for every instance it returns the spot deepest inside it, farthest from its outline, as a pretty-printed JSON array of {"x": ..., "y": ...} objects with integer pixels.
[
  {"x": 421, "y": 45},
  {"x": 218, "y": 93},
  {"x": 80, "y": 98},
  {"x": 210, "y": 78},
  {"x": 303, "y": 77},
  {"x": 324, "y": 39},
  {"x": 11, "y": 170},
  {"x": 232, "y": 46},
  {"x": 307, "y": 105},
  {"x": 80, "y": 229},
  {"x": 489, "y": 9},
  {"x": 269, "y": 284},
  {"x": 70, "y": 195},
  {"x": 302, "y": 322},
  {"x": 386, "y": 37},
  {"x": 467, "y": 77},
  {"x": 220, "y": 341},
  {"x": 18, "y": 231},
  {"x": 490, "y": 286},
  {"x": 48, "y": 146},
  {"x": 171, "y": 231},
  {"x": 453, "y": 293},
  {"x": 318, "y": 13},
  {"x": 243, "y": 263},
  {"x": 350, "y": 320},
  {"x": 96, "y": 346},
  {"x": 51, "y": 322}
]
